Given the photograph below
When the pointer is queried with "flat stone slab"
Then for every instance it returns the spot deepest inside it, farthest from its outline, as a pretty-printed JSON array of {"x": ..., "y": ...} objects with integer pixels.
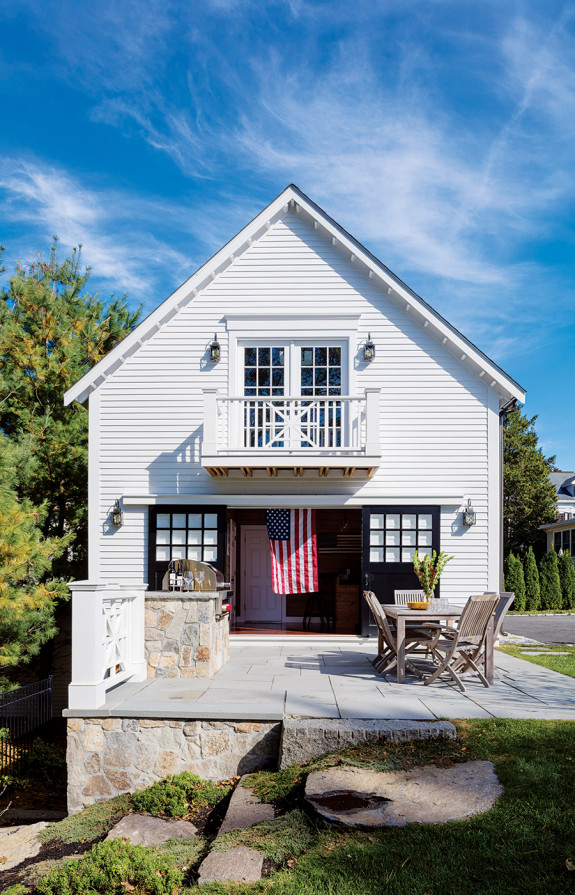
[
  {"x": 245, "y": 810},
  {"x": 19, "y": 843},
  {"x": 143, "y": 829},
  {"x": 304, "y": 739},
  {"x": 360, "y": 797},
  {"x": 238, "y": 865}
]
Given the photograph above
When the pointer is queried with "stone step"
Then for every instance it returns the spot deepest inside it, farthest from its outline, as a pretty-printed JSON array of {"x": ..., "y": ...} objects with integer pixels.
[
  {"x": 245, "y": 810},
  {"x": 304, "y": 739},
  {"x": 240, "y": 864},
  {"x": 144, "y": 829},
  {"x": 237, "y": 865}
]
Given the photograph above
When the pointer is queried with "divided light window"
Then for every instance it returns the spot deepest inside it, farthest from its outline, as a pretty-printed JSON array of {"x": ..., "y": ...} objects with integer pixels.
[
  {"x": 394, "y": 537},
  {"x": 185, "y": 532},
  {"x": 264, "y": 372},
  {"x": 321, "y": 371},
  {"x": 187, "y": 536}
]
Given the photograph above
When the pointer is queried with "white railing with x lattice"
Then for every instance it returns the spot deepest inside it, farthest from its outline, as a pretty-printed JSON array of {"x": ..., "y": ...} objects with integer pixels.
[
  {"x": 294, "y": 424},
  {"x": 107, "y": 640}
]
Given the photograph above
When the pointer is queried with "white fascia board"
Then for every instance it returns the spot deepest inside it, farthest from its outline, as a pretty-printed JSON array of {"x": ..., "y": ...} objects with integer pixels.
[
  {"x": 226, "y": 255},
  {"x": 291, "y": 500}
]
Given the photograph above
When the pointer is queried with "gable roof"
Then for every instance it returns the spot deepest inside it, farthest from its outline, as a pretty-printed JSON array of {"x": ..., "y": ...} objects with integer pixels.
[{"x": 293, "y": 199}]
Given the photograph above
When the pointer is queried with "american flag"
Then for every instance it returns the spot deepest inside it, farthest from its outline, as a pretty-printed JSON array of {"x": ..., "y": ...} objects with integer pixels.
[{"x": 294, "y": 552}]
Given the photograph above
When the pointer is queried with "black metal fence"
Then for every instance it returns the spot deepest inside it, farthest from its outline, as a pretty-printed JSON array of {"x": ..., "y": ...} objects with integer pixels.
[{"x": 22, "y": 713}]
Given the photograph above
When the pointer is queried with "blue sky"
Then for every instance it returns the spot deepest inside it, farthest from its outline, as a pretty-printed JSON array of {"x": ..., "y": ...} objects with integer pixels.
[{"x": 440, "y": 134}]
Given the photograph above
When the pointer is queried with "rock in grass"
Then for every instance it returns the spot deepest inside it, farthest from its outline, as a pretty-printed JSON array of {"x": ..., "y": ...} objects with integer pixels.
[
  {"x": 143, "y": 829},
  {"x": 245, "y": 810},
  {"x": 359, "y": 797},
  {"x": 238, "y": 865},
  {"x": 19, "y": 843}
]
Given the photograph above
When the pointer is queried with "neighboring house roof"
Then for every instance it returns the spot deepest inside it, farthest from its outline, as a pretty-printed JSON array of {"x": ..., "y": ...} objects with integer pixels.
[
  {"x": 563, "y": 482},
  {"x": 293, "y": 199}
]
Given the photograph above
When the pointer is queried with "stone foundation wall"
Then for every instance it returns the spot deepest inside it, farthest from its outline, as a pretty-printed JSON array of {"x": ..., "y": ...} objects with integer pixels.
[
  {"x": 183, "y": 636},
  {"x": 110, "y": 756}
]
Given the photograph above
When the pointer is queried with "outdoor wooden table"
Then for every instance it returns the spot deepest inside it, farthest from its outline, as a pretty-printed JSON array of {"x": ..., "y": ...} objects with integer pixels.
[{"x": 450, "y": 613}]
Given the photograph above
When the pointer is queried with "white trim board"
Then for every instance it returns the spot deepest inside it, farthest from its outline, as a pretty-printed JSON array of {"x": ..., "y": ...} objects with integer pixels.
[
  {"x": 263, "y": 501},
  {"x": 296, "y": 201}
]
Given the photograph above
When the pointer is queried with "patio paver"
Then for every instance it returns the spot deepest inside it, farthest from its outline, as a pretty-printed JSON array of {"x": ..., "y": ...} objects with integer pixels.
[{"x": 337, "y": 680}]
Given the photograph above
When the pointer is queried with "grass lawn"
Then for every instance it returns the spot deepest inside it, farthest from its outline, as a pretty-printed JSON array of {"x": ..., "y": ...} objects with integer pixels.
[
  {"x": 563, "y": 664},
  {"x": 524, "y": 845}
]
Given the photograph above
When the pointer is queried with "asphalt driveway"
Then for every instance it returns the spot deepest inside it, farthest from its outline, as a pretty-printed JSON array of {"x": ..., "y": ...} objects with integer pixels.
[{"x": 545, "y": 628}]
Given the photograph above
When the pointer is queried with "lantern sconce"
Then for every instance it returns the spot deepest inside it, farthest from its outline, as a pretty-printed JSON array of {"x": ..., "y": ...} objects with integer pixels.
[
  {"x": 215, "y": 350},
  {"x": 368, "y": 349},
  {"x": 468, "y": 515},
  {"x": 117, "y": 514}
]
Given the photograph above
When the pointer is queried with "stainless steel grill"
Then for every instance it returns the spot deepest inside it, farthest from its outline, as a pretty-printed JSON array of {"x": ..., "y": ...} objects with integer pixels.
[{"x": 197, "y": 576}]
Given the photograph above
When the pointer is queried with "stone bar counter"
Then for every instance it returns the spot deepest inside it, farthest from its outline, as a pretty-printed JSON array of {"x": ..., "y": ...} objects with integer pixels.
[{"x": 185, "y": 633}]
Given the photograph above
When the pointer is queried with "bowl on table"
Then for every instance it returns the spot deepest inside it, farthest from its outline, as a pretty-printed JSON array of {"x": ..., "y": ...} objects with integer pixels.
[{"x": 418, "y": 604}]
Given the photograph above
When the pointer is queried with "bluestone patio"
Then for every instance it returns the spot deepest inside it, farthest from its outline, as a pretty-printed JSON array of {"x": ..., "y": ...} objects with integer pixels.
[{"x": 270, "y": 680}]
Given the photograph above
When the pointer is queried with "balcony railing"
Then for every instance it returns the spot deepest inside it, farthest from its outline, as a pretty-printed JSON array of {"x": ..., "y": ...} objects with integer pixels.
[
  {"x": 288, "y": 424},
  {"x": 293, "y": 427}
]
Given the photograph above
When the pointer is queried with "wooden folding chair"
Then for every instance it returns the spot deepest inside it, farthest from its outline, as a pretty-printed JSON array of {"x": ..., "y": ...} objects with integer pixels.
[
  {"x": 461, "y": 648},
  {"x": 386, "y": 658}
]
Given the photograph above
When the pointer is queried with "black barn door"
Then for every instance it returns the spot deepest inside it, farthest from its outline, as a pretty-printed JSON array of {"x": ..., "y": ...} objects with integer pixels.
[{"x": 391, "y": 534}]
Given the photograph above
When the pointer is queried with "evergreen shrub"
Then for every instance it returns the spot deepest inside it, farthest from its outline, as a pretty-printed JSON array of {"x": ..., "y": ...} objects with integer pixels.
[
  {"x": 567, "y": 579},
  {"x": 179, "y": 794},
  {"x": 114, "y": 868},
  {"x": 515, "y": 581},
  {"x": 549, "y": 581},
  {"x": 532, "y": 587}
]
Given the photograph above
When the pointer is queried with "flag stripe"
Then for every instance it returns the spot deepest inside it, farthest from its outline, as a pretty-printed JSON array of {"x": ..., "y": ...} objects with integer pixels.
[{"x": 294, "y": 555}]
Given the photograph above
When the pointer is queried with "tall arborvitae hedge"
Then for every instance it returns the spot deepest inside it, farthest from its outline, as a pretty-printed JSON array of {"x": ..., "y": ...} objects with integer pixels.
[
  {"x": 515, "y": 581},
  {"x": 549, "y": 581},
  {"x": 567, "y": 579},
  {"x": 532, "y": 588}
]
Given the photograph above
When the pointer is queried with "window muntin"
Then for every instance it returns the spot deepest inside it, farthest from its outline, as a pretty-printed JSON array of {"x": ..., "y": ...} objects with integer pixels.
[
  {"x": 320, "y": 371},
  {"x": 394, "y": 537},
  {"x": 264, "y": 371},
  {"x": 186, "y": 536}
]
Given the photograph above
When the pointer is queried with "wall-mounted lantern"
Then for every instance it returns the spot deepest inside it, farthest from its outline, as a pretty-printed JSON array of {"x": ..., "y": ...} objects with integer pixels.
[
  {"x": 368, "y": 349},
  {"x": 117, "y": 514},
  {"x": 468, "y": 515},
  {"x": 215, "y": 350}
]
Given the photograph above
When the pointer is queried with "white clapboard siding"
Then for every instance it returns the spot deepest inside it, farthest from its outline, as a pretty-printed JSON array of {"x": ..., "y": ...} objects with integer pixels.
[{"x": 435, "y": 412}]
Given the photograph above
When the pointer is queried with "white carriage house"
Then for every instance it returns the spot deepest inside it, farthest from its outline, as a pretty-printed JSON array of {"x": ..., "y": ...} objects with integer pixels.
[{"x": 329, "y": 384}]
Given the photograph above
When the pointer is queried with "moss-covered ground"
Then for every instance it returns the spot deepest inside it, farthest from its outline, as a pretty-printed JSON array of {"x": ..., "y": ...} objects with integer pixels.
[{"x": 525, "y": 844}]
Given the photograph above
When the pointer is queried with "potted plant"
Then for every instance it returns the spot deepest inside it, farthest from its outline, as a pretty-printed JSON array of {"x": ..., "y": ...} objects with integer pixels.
[{"x": 429, "y": 569}]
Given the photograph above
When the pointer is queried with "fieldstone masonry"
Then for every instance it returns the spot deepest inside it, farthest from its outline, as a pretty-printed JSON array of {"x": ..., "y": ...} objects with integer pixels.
[
  {"x": 184, "y": 636},
  {"x": 109, "y": 756}
]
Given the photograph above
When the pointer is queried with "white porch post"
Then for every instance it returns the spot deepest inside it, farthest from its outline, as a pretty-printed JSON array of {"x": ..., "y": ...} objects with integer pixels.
[
  {"x": 210, "y": 442},
  {"x": 136, "y": 659},
  {"x": 88, "y": 687},
  {"x": 372, "y": 411}
]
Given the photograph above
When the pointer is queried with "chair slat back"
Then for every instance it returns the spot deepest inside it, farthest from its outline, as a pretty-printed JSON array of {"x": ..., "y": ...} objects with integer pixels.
[
  {"x": 403, "y": 597},
  {"x": 379, "y": 617},
  {"x": 505, "y": 601},
  {"x": 475, "y": 617}
]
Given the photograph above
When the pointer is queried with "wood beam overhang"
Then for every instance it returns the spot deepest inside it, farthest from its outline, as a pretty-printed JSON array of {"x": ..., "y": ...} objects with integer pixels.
[{"x": 247, "y": 472}]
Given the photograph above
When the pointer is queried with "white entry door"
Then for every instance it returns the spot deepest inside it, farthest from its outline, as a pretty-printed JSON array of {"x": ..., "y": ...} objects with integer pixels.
[{"x": 260, "y": 604}]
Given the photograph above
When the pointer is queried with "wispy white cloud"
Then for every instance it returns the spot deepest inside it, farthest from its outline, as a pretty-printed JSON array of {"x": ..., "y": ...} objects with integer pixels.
[{"x": 114, "y": 228}]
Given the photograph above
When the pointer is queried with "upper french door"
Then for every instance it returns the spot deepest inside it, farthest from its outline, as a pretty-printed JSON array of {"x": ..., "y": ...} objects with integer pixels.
[
  {"x": 296, "y": 389},
  {"x": 391, "y": 535}
]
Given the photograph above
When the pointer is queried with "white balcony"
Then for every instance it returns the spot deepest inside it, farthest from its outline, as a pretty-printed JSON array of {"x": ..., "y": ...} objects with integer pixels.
[{"x": 290, "y": 434}]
